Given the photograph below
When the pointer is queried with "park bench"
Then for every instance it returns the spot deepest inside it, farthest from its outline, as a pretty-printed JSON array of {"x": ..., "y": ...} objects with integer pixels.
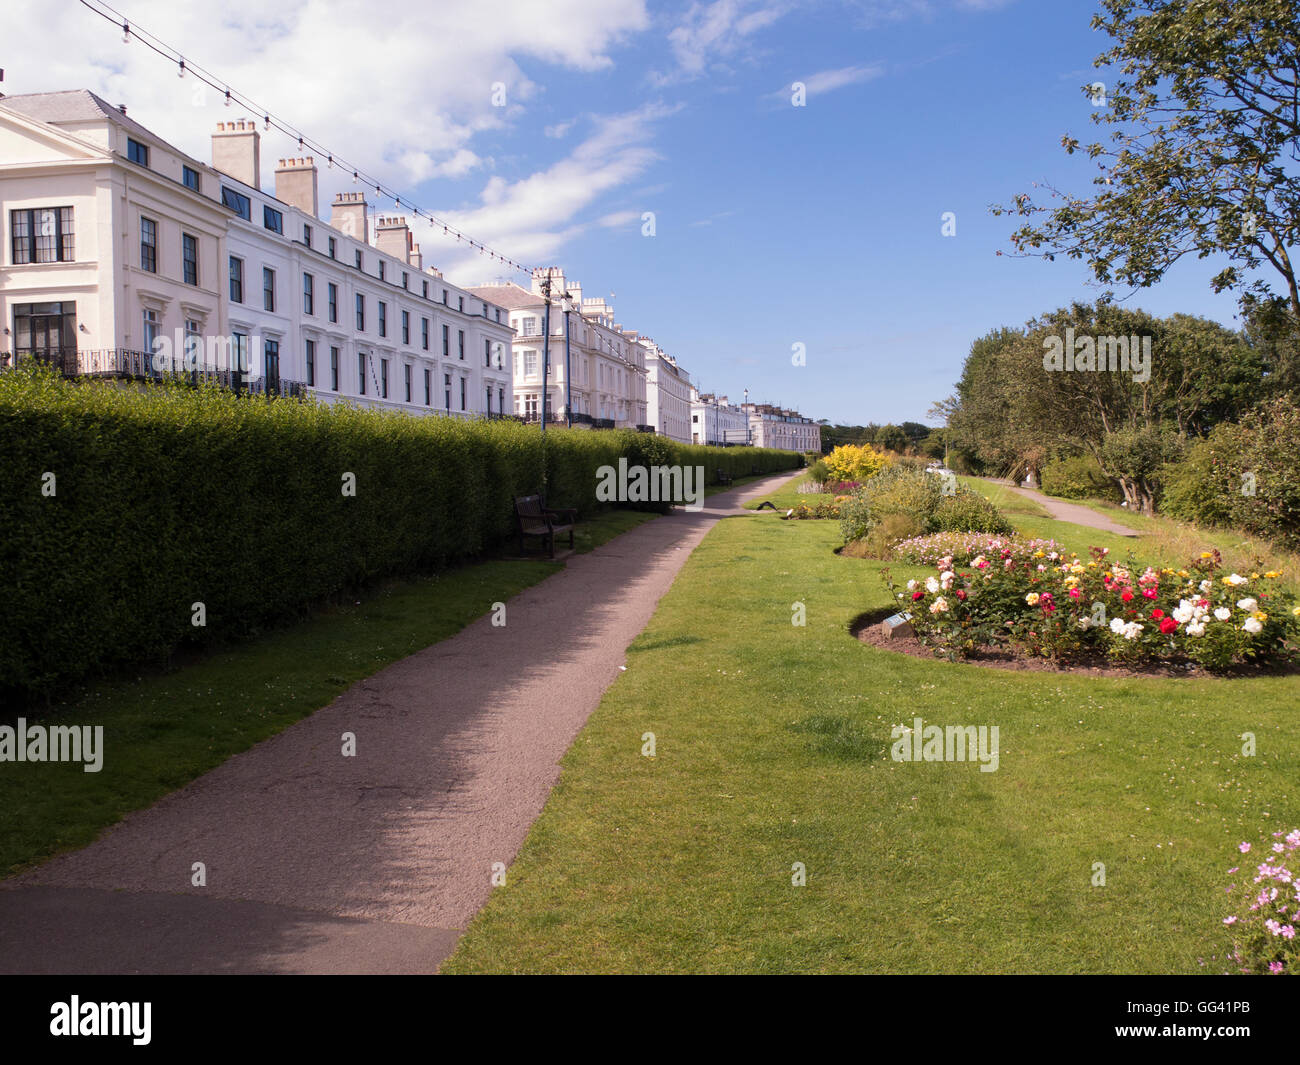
[
  {"x": 534, "y": 518},
  {"x": 722, "y": 477}
]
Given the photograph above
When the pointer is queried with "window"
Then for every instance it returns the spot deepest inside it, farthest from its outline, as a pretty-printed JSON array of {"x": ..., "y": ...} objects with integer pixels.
[
  {"x": 381, "y": 269},
  {"x": 308, "y": 294},
  {"x": 311, "y": 362},
  {"x": 306, "y": 234},
  {"x": 428, "y": 388},
  {"x": 489, "y": 401},
  {"x": 190, "y": 259},
  {"x": 236, "y": 280},
  {"x": 446, "y": 390},
  {"x": 462, "y": 393},
  {"x": 137, "y": 152},
  {"x": 444, "y": 297},
  {"x": 406, "y": 327},
  {"x": 150, "y": 335},
  {"x": 271, "y": 360},
  {"x": 148, "y": 245},
  {"x": 237, "y": 202},
  {"x": 406, "y": 369},
  {"x": 530, "y": 327},
  {"x": 272, "y": 219},
  {"x": 461, "y": 308},
  {"x": 446, "y": 341},
  {"x": 358, "y": 258},
  {"x": 383, "y": 378},
  {"x": 406, "y": 278},
  {"x": 462, "y": 343},
  {"x": 383, "y": 319},
  {"x": 190, "y": 177},
  {"x": 498, "y": 316},
  {"x": 361, "y": 312},
  {"x": 334, "y": 369},
  {"x": 425, "y": 286},
  {"x": 424, "y": 333},
  {"x": 487, "y": 353},
  {"x": 268, "y": 288},
  {"x": 334, "y": 247},
  {"x": 361, "y": 373},
  {"x": 530, "y": 364},
  {"x": 501, "y": 400},
  {"x": 333, "y": 295},
  {"x": 239, "y": 352},
  {"x": 42, "y": 235},
  {"x": 193, "y": 344}
]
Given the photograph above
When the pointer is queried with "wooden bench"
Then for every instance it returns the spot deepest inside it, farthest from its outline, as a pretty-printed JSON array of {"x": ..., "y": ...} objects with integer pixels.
[
  {"x": 721, "y": 477},
  {"x": 534, "y": 518}
]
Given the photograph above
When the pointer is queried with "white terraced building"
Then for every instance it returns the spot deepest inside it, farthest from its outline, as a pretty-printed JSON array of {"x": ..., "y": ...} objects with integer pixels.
[
  {"x": 120, "y": 248},
  {"x": 668, "y": 393},
  {"x": 715, "y": 421},
  {"x": 596, "y": 368}
]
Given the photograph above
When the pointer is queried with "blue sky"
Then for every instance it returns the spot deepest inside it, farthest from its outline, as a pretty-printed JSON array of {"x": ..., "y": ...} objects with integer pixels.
[{"x": 774, "y": 224}]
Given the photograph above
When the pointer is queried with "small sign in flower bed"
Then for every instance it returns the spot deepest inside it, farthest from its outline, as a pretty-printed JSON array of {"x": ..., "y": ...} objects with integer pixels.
[{"x": 1047, "y": 606}]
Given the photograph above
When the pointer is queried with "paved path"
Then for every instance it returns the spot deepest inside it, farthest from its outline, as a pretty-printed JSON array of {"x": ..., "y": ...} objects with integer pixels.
[
  {"x": 1074, "y": 513},
  {"x": 318, "y": 863}
]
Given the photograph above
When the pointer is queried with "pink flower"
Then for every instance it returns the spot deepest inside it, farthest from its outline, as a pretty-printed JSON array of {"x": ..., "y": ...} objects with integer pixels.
[
  {"x": 1150, "y": 593},
  {"x": 1244, "y": 848},
  {"x": 1074, "y": 593},
  {"x": 1230, "y": 920},
  {"x": 1288, "y": 932},
  {"x": 1275, "y": 966}
]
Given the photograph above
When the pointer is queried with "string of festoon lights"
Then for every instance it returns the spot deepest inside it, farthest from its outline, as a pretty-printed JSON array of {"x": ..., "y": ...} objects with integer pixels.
[{"x": 185, "y": 68}]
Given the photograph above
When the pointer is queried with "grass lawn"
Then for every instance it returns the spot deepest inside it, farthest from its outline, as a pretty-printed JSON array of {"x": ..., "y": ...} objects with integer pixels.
[
  {"x": 786, "y": 495},
  {"x": 772, "y": 749},
  {"x": 163, "y": 729}
]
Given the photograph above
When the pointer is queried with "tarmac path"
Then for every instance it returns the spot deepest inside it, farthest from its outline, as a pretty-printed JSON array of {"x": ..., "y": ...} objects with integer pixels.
[
  {"x": 319, "y": 863},
  {"x": 1075, "y": 513}
]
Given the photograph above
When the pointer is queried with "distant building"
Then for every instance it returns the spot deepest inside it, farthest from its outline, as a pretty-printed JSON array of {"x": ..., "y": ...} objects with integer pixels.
[
  {"x": 715, "y": 421},
  {"x": 786, "y": 430},
  {"x": 668, "y": 393}
]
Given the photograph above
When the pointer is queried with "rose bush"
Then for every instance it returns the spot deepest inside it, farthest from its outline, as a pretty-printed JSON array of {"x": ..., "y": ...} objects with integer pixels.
[{"x": 1046, "y": 604}]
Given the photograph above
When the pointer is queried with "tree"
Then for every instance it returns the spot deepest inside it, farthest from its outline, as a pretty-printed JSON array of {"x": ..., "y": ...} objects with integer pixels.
[{"x": 1204, "y": 133}]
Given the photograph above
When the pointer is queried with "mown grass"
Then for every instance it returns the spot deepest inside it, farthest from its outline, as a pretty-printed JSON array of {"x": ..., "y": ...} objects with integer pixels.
[
  {"x": 164, "y": 729},
  {"x": 772, "y": 749}
]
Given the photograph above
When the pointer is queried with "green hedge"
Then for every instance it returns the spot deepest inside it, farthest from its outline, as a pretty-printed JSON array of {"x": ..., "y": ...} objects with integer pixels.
[{"x": 168, "y": 496}]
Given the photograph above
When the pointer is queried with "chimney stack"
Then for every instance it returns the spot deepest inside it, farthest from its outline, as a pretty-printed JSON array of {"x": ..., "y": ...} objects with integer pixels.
[
  {"x": 237, "y": 151},
  {"x": 393, "y": 237},
  {"x": 295, "y": 184},
  {"x": 348, "y": 215}
]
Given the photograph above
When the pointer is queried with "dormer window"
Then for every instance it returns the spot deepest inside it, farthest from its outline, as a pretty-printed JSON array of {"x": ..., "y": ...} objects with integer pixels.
[{"x": 138, "y": 153}]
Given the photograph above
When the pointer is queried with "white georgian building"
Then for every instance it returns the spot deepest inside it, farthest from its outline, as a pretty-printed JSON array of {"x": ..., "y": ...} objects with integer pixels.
[
  {"x": 595, "y": 367},
  {"x": 668, "y": 393},
  {"x": 715, "y": 421},
  {"x": 148, "y": 243},
  {"x": 786, "y": 430}
]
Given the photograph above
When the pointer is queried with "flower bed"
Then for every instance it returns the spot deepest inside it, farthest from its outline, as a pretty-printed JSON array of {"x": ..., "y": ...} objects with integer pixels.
[
  {"x": 823, "y": 508},
  {"x": 961, "y": 547},
  {"x": 1264, "y": 922},
  {"x": 1053, "y": 606}
]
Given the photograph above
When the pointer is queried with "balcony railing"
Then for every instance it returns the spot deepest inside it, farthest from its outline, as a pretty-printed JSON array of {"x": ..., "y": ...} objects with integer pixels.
[{"x": 125, "y": 365}]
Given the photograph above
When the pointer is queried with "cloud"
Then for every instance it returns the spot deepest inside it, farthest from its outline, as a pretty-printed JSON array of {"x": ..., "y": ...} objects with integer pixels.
[
  {"x": 720, "y": 29},
  {"x": 535, "y": 216},
  {"x": 824, "y": 81},
  {"x": 402, "y": 96},
  {"x": 560, "y": 129}
]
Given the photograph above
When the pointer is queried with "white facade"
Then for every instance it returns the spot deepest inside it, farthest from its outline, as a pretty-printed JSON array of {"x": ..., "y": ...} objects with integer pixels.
[
  {"x": 265, "y": 288},
  {"x": 600, "y": 371},
  {"x": 668, "y": 393},
  {"x": 785, "y": 430},
  {"x": 715, "y": 421}
]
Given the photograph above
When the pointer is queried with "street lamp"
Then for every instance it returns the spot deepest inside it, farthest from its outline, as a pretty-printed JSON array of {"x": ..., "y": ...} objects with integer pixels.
[{"x": 748, "y": 437}]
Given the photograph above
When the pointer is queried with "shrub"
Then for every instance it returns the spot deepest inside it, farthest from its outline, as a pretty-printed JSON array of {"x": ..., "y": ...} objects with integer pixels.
[
  {"x": 164, "y": 497},
  {"x": 904, "y": 490},
  {"x": 853, "y": 462},
  {"x": 819, "y": 471},
  {"x": 1054, "y": 606},
  {"x": 1079, "y": 477},
  {"x": 1264, "y": 924}
]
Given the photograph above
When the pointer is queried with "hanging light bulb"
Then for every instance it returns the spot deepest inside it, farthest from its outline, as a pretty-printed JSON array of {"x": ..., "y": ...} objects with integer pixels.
[
  {"x": 227, "y": 97},
  {"x": 330, "y": 161},
  {"x": 126, "y": 33},
  {"x": 300, "y": 142},
  {"x": 180, "y": 69},
  {"x": 354, "y": 177},
  {"x": 267, "y": 120}
]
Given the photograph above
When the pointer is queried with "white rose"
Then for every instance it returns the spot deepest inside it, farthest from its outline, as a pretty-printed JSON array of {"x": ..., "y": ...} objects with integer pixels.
[
  {"x": 1197, "y": 628},
  {"x": 1236, "y": 579},
  {"x": 1131, "y": 630},
  {"x": 1248, "y": 605},
  {"x": 1116, "y": 625},
  {"x": 939, "y": 606},
  {"x": 931, "y": 585},
  {"x": 1253, "y": 625},
  {"x": 1183, "y": 612},
  {"x": 1223, "y": 613},
  {"x": 911, "y": 586},
  {"x": 1205, "y": 586},
  {"x": 946, "y": 579}
]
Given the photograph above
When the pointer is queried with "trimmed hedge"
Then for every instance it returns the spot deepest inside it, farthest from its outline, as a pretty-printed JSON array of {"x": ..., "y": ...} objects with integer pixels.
[{"x": 164, "y": 497}]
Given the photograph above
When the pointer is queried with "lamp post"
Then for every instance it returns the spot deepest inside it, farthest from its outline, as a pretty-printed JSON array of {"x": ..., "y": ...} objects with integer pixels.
[{"x": 748, "y": 432}]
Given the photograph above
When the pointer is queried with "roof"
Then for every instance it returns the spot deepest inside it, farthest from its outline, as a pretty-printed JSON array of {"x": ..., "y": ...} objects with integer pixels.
[
  {"x": 76, "y": 105},
  {"x": 510, "y": 296}
]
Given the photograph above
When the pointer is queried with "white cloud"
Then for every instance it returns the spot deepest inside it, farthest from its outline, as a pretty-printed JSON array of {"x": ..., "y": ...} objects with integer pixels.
[
  {"x": 560, "y": 129},
  {"x": 716, "y": 30}
]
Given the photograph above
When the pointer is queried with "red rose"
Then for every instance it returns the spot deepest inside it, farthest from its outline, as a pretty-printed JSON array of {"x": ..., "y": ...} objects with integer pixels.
[
  {"x": 1126, "y": 595},
  {"x": 917, "y": 595},
  {"x": 961, "y": 593},
  {"x": 1157, "y": 613},
  {"x": 1168, "y": 625}
]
